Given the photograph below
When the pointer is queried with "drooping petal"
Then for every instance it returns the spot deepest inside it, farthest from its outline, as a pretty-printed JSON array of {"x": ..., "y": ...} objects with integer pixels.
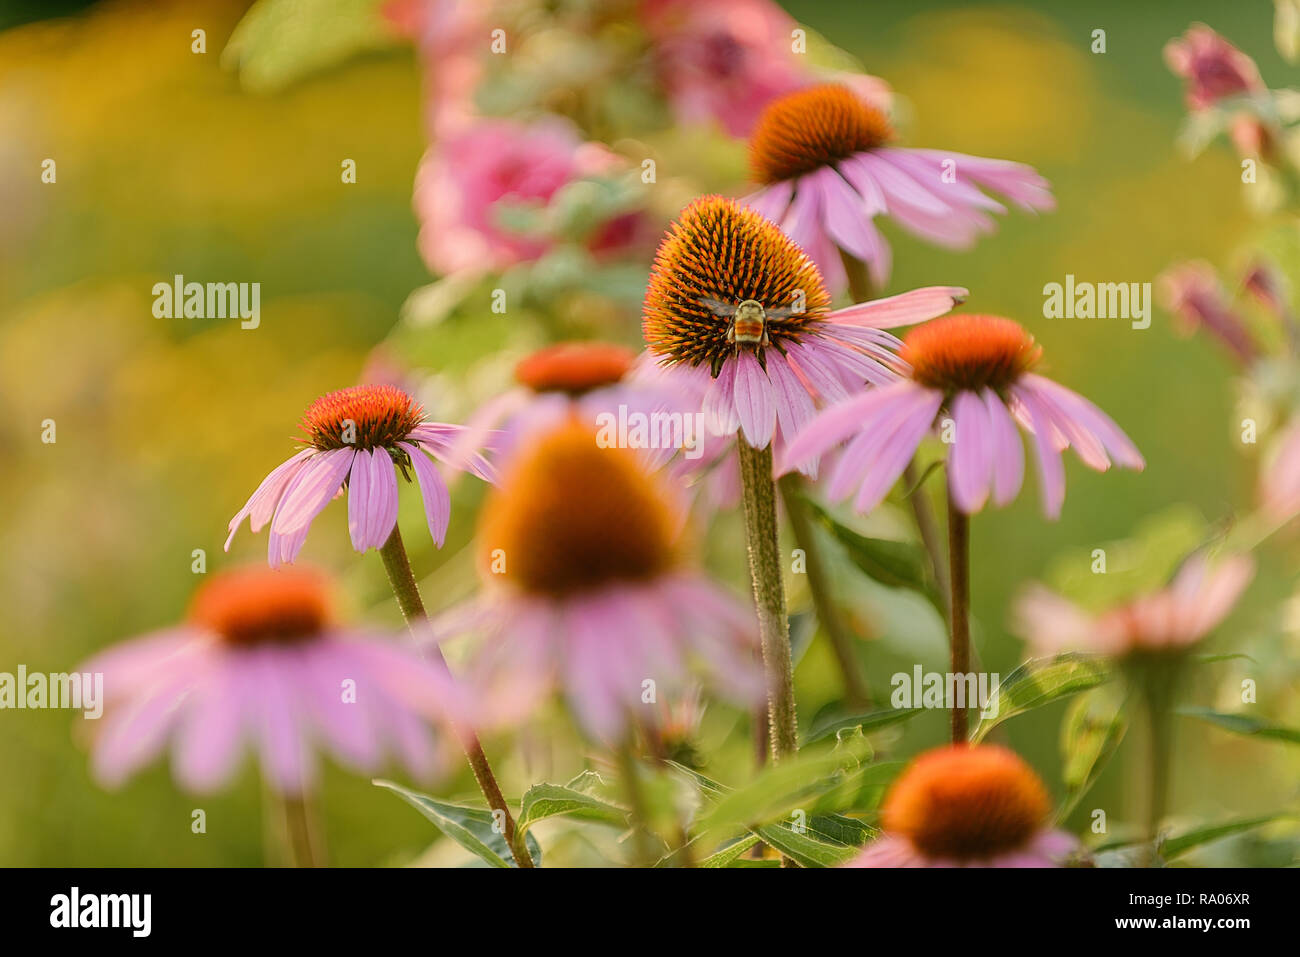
[
  {"x": 970, "y": 462},
  {"x": 1051, "y": 472},
  {"x": 381, "y": 516},
  {"x": 1008, "y": 451},
  {"x": 261, "y": 504},
  {"x": 359, "y": 501},
  {"x": 753, "y": 401},
  {"x": 437, "y": 500},
  {"x": 311, "y": 489}
]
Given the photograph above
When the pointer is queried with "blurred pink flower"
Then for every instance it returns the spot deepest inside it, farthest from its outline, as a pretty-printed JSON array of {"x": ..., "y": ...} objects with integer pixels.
[
  {"x": 963, "y": 806},
  {"x": 1172, "y": 618},
  {"x": 588, "y": 381},
  {"x": 450, "y": 36},
  {"x": 262, "y": 662},
  {"x": 468, "y": 177},
  {"x": 1211, "y": 66},
  {"x": 826, "y": 170},
  {"x": 978, "y": 368},
  {"x": 586, "y": 590},
  {"x": 722, "y": 60},
  {"x": 1279, "y": 481},
  {"x": 1191, "y": 293},
  {"x": 356, "y": 440}
]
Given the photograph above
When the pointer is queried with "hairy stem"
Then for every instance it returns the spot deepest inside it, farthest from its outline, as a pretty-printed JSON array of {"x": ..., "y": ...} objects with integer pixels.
[
  {"x": 398, "y": 567},
  {"x": 856, "y": 692},
  {"x": 959, "y": 608},
  {"x": 769, "y": 595}
]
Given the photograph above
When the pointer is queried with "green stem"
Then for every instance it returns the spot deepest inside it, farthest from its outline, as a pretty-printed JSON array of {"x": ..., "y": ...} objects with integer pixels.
[
  {"x": 959, "y": 608},
  {"x": 769, "y": 595},
  {"x": 643, "y": 852},
  {"x": 301, "y": 840},
  {"x": 856, "y": 692},
  {"x": 398, "y": 567},
  {"x": 929, "y": 532}
]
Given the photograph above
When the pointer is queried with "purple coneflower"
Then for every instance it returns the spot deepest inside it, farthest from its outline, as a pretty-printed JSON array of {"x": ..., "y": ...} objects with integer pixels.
[
  {"x": 262, "y": 661},
  {"x": 960, "y": 806},
  {"x": 586, "y": 590},
  {"x": 737, "y": 314},
  {"x": 823, "y": 160},
  {"x": 979, "y": 369},
  {"x": 357, "y": 438}
]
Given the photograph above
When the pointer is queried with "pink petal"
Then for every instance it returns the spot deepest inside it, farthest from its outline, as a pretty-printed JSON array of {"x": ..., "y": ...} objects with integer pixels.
[
  {"x": 970, "y": 463},
  {"x": 437, "y": 500},
  {"x": 904, "y": 309},
  {"x": 311, "y": 490},
  {"x": 753, "y": 398}
]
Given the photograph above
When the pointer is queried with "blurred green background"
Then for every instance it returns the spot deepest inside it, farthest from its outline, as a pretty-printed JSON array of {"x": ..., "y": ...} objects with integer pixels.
[{"x": 166, "y": 166}]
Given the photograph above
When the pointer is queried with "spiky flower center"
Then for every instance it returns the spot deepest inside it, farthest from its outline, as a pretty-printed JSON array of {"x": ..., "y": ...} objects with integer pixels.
[
  {"x": 960, "y": 803},
  {"x": 719, "y": 262},
  {"x": 570, "y": 516},
  {"x": 361, "y": 417},
  {"x": 962, "y": 351},
  {"x": 813, "y": 128},
  {"x": 252, "y": 606},
  {"x": 574, "y": 367}
]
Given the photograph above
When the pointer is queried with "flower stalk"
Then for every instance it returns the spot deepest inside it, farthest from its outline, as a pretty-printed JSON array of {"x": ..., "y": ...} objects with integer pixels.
[
  {"x": 959, "y": 607},
  {"x": 769, "y": 595},
  {"x": 302, "y": 842},
  {"x": 400, "y": 576}
]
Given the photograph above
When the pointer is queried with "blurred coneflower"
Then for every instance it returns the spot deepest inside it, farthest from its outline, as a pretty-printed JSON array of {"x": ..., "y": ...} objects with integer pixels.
[
  {"x": 1212, "y": 67},
  {"x": 826, "y": 167},
  {"x": 263, "y": 661},
  {"x": 357, "y": 438},
  {"x": 961, "y": 806},
  {"x": 1149, "y": 636},
  {"x": 587, "y": 589},
  {"x": 1192, "y": 294},
  {"x": 583, "y": 380},
  {"x": 722, "y": 60},
  {"x": 1167, "y": 621}
]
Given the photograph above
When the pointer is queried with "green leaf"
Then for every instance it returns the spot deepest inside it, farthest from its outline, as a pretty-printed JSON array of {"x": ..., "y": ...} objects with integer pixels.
[
  {"x": 870, "y": 721},
  {"x": 896, "y": 564},
  {"x": 1093, "y": 729},
  {"x": 775, "y": 792},
  {"x": 1172, "y": 847},
  {"x": 553, "y": 800},
  {"x": 1211, "y": 659},
  {"x": 730, "y": 853},
  {"x": 281, "y": 41},
  {"x": 1244, "y": 724},
  {"x": 860, "y": 790},
  {"x": 470, "y": 827},
  {"x": 1039, "y": 682},
  {"x": 804, "y": 849},
  {"x": 838, "y": 829}
]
